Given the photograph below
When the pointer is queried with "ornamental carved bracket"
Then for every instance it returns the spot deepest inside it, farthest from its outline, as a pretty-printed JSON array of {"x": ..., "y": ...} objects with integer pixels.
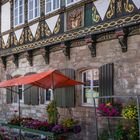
[
  {"x": 122, "y": 38},
  {"x": 66, "y": 49},
  {"x": 16, "y": 59},
  {"x": 91, "y": 43},
  {"x": 45, "y": 51},
  {"x": 4, "y": 62},
  {"x": 29, "y": 57}
]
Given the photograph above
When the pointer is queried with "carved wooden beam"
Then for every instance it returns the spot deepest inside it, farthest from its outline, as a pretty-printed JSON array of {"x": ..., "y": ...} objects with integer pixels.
[
  {"x": 122, "y": 38},
  {"x": 91, "y": 43},
  {"x": 16, "y": 59},
  {"x": 66, "y": 49},
  {"x": 29, "y": 57},
  {"x": 4, "y": 62},
  {"x": 45, "y": 51}
]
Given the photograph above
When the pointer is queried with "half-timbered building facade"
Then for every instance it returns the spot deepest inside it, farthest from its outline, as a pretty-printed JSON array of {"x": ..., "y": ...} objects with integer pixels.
[{"x": 95, "y": 41}]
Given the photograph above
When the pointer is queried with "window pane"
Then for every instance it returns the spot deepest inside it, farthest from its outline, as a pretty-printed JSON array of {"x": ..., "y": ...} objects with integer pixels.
[
  {"x": 48, "y": 6},
  {"x": 48, "y": 95},
  {"x": 16, "y": 3},
  {"x": 55, "y": 4},
  {"x": 36, "y": 12},
  {"x": 30, "y": 14},
  {"x": 88, "y": 96},
  {"x": 20, "y": 2},
  {"x": 16, "y": 21},
  {"x": 18, "y": 11},
  {"x": 91, "y": 88},
  {"x": 20, "y": 19},
  {"x": 20, "y": 92},
  {"x": 69, "y": 1},
  {"x": 36, "y": 3},
  {"x": 21, "y": 10},
  {"x": 87, "y": 78},
  {"x": 30, "y": 5}
]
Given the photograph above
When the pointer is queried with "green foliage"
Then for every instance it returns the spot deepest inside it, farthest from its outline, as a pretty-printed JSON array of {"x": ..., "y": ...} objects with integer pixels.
[
  {"x": 69, "y": 123},
  {"x": 130, "y": 112},
  {"x": 133, "y": 132},
  {"x": 104, "y": 135},
  {"x": 52, "y": 113},
  {"x": 120, "y": 133}
]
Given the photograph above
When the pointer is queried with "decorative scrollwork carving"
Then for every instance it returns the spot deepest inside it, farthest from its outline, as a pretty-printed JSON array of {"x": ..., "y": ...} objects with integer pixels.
[
  {"x": 42, "y": 29},
  {"x": 95, "y": 16},
  {"x": 15, "y": 40},
  {"x": 57, "y": 27},
  {"x": 47, "y": 30},
  {"x": 8, "y": 41},
  {"x": 91, "y": 43},
  {"x": 74, "y": 18},
  {"x": 122, "y": 38},
  {"x": 111, "y": 12},
  {"x": 3, "y": 44},
  {"x": 37, "y": 35},
  {"x": 30, "y": 36},
  {"x": 128, "y": 7},
  {"x": 119, "y": 6},
  {"x": 21, "y": 40}
]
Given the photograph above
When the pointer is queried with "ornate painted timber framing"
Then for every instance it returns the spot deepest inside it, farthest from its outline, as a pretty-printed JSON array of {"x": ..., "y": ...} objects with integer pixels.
[{"x": 108, "y": 26}]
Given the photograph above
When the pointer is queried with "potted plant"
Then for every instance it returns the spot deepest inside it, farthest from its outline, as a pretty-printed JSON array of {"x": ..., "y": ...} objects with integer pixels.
[{"x": 110, "y": 109}]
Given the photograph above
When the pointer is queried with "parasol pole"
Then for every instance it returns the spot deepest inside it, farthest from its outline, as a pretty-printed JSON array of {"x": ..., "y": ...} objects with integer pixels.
[
  {"x": 19, "y": 115},
  {"x": 52, "y": 87}
]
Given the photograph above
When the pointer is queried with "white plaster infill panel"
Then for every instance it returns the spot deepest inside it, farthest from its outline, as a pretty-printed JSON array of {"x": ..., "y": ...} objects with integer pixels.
[
  {"x": 18, "y": 33},
  {"x": 51, "y": 22},
  {"x": 33, "y": 28},
  {"x": 5, "y": 38},
  {"x": 5, "y": 17},
  {"x": 137, "y": 3},
  {"x": 102, "y": 7}
]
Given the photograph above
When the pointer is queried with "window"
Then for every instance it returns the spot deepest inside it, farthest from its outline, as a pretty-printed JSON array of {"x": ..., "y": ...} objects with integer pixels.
[
  {"x": 18, "y": 12},
  {"x": 21, "y": 94},
  {"x": 52, "y": 5},
  {"x": 15, "y": 96},
  {"x": 48, "y": 95},
  {"x": 69, "y": 2},
  {"x": 33, "y": 9},
  {"x": 45, "y": 95},
  {"x": 91, "y": 87}
]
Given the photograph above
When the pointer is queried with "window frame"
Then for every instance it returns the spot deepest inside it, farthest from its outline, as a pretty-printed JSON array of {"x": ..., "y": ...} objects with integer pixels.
[
  {"x": 68, "y": 4},
  {"x": 52, "y": 10},
  {"x": 45, "y": 101},
  {"x": 91, "y": 86},
  {"x": 21, "y": 100},
  {"x": 17, "y": 96},
  {"x": 33, "y": 11},
  {"x": 51, "y": 96},
  {"x": 18, "y": 24}
]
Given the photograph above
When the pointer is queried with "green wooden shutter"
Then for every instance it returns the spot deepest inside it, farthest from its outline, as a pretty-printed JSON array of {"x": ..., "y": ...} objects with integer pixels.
[
  {"x": 34, "y": 95},
  {"x": 65, "y": 97},
  {"x": 106, "y": 80},
  {"x": 9, "y": 91},
  {"x": 42, "y": 96},
  {"x": 27, "y": 94}
]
